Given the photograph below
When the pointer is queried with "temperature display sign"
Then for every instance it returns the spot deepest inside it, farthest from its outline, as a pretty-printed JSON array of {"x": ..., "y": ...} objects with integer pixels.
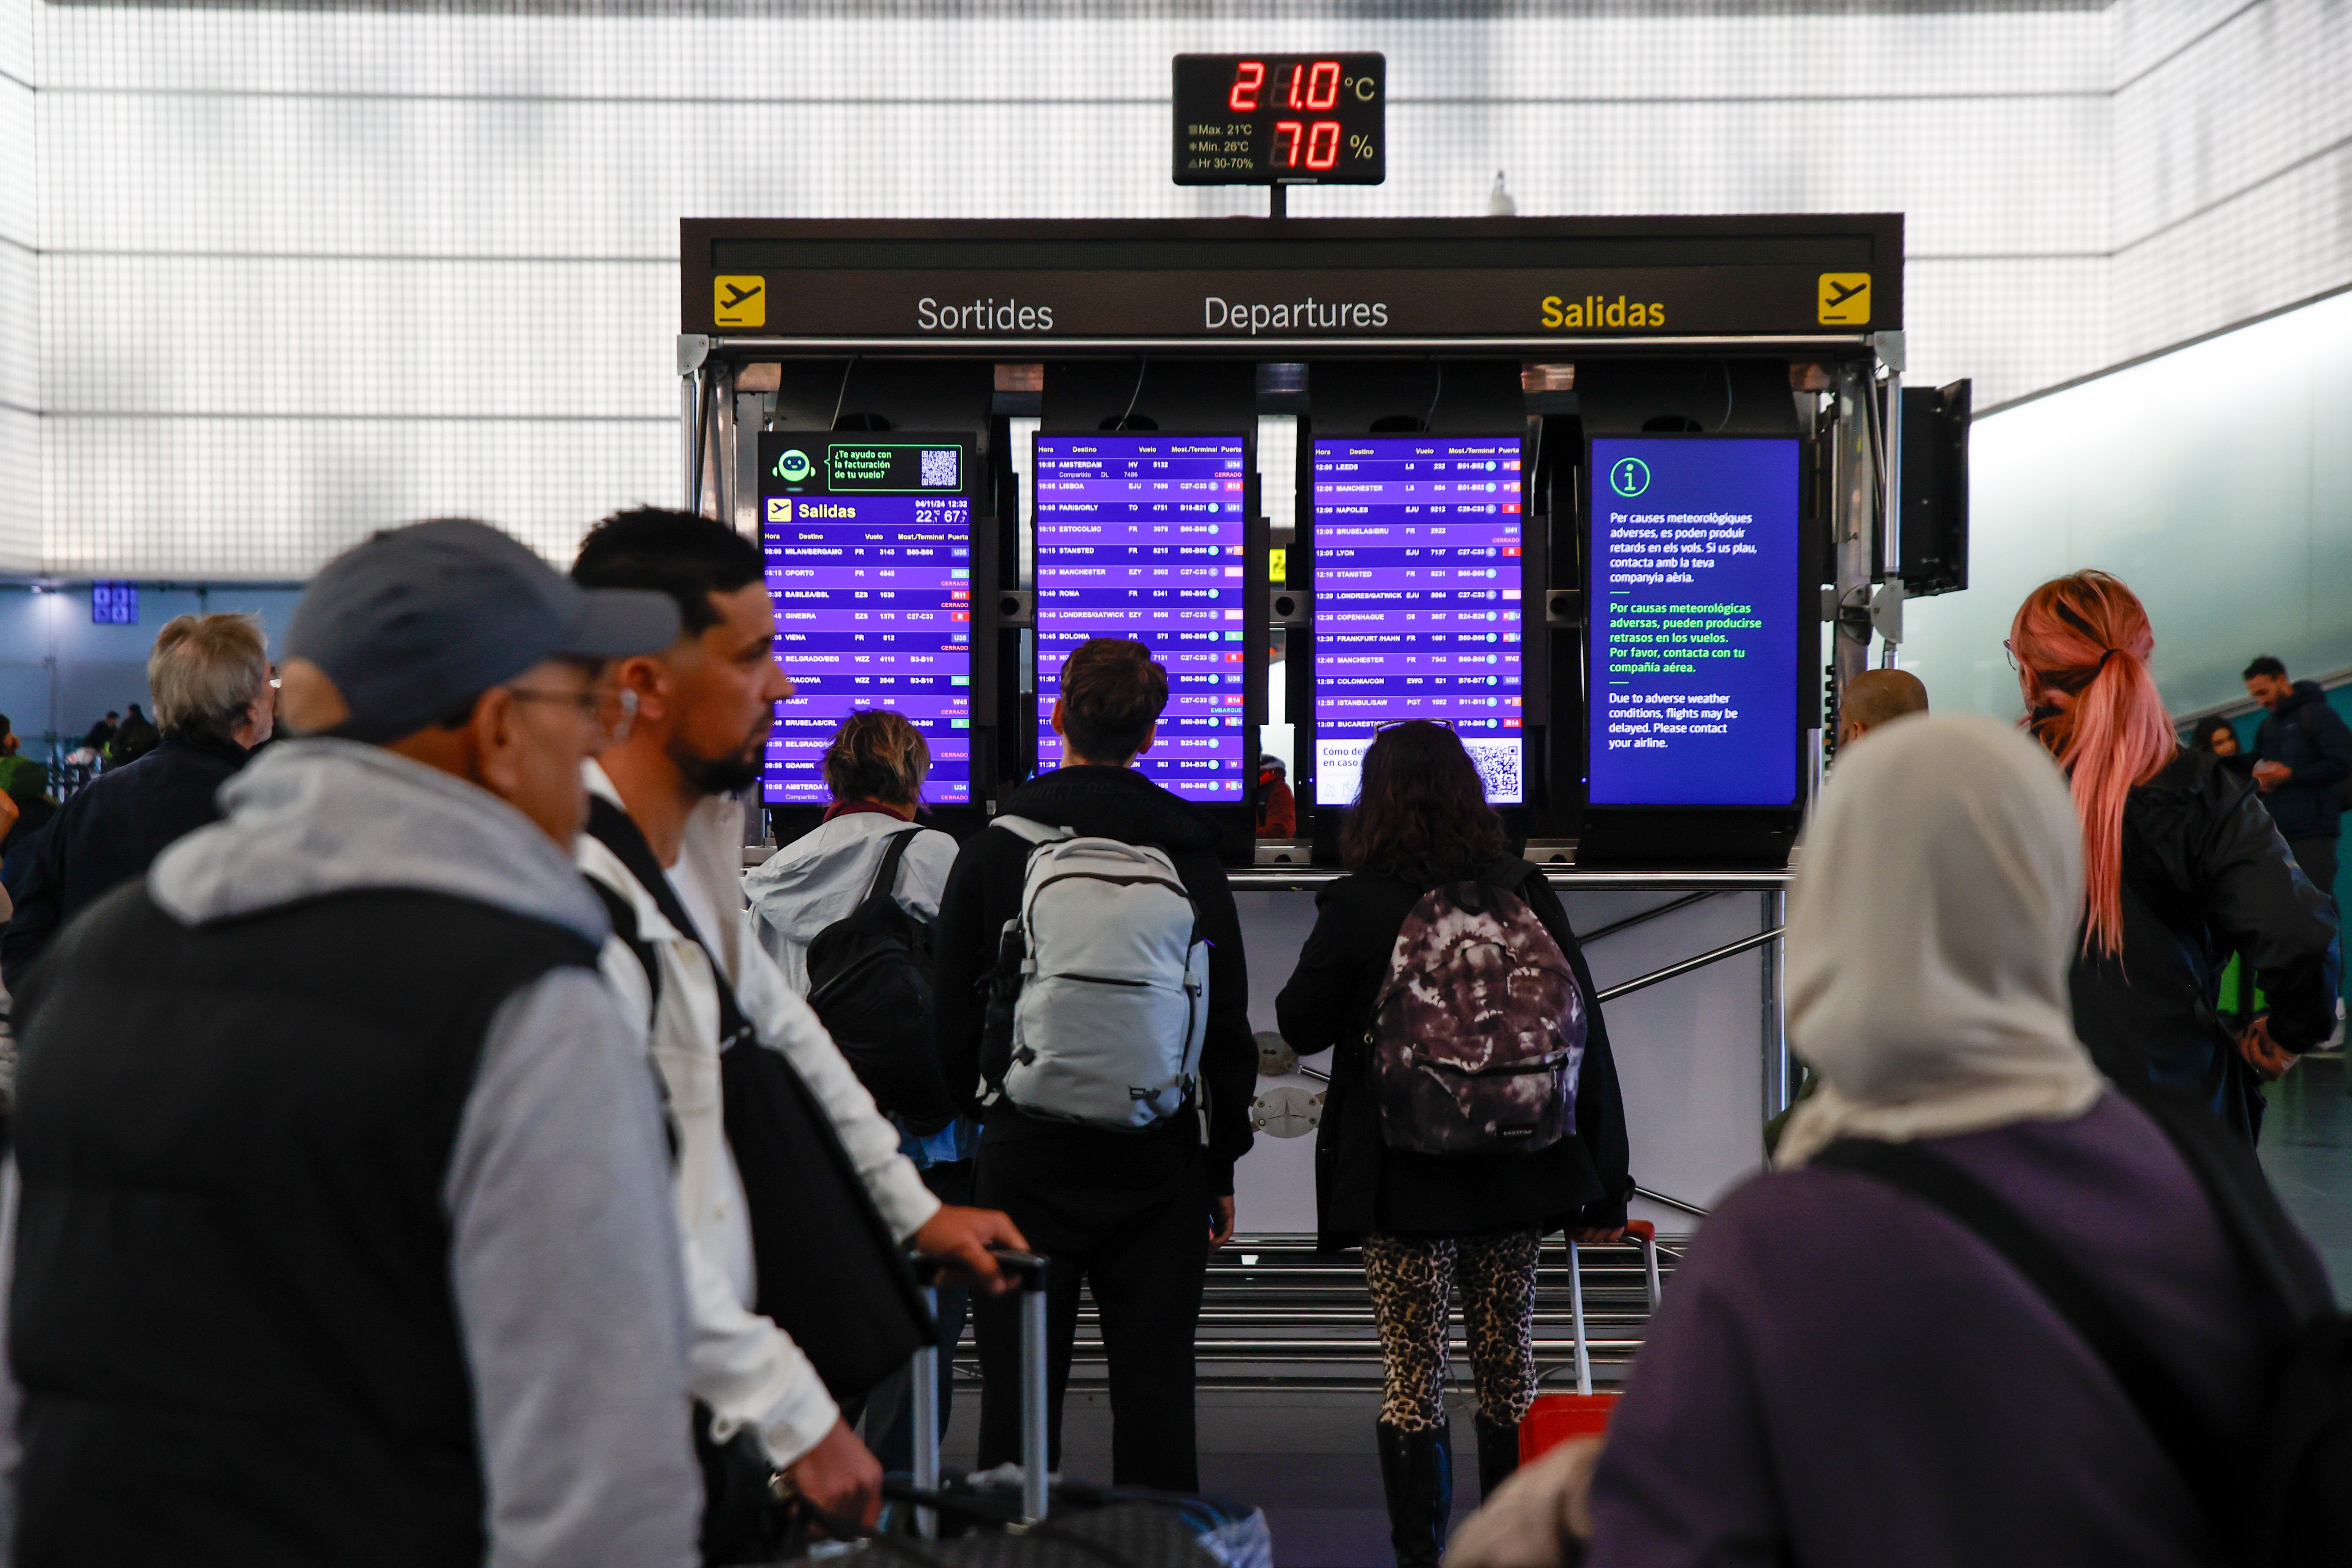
[{"x": 1267, "y": 119}]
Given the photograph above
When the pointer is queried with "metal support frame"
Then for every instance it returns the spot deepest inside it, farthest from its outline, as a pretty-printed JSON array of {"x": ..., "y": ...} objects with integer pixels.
[
  {"x": 1037, "y": 1399},
  {"x": 1659, "y": 976},
  {"x": 927, "y": 1420}
]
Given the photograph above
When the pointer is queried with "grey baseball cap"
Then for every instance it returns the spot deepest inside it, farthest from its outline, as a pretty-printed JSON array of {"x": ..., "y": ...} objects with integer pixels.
[{"x": 414, "y": 621}]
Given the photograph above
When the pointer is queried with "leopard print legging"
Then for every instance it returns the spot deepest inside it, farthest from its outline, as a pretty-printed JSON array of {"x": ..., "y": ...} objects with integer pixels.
[{"x": 1411, "y": 1281}]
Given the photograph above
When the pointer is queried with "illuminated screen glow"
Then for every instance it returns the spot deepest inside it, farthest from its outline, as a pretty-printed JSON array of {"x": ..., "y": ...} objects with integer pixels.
[
  {"x": 873, "y": 596},
  {"x": 1417, "y": 546},
  {"x": 1694, "y": 635},
  {"x": 1142, "y": 537}
]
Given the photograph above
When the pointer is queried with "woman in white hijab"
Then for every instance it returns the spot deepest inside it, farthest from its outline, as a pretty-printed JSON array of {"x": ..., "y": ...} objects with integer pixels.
[{"x": 1841, "y": 1374}]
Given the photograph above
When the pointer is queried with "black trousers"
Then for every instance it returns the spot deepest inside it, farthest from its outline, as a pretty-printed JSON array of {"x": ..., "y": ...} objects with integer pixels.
[
  {"x": 2318, "y": 859},
  {"x": 1143, "y": 1250}
]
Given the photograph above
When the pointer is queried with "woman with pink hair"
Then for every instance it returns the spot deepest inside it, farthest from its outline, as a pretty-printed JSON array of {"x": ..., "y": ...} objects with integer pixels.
[{"x": 2182, "y": 867}]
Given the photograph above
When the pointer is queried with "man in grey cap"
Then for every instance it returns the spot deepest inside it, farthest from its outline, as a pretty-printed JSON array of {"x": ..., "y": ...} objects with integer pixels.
[{"x": 338, "y": 1226}]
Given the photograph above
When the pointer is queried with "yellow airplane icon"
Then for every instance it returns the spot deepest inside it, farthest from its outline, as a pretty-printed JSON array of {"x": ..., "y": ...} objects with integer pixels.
[
  {"x": 739, "y": 301},
  {"x": 1844, "y": 298}
]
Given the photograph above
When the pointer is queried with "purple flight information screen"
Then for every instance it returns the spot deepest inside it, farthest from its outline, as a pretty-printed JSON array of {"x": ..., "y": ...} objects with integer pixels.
[
  {"x": 1696, "y": 623},
  {"x": 1142, "y": 537},
  {"x": 1417, "y": 559},
  {"x": 869, "y": 561}
]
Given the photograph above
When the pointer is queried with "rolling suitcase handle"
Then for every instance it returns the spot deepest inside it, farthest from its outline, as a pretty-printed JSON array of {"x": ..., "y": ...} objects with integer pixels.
[
  {"x": 1645, "y": 1233},
  {"x": 1029, "y": 1269}
]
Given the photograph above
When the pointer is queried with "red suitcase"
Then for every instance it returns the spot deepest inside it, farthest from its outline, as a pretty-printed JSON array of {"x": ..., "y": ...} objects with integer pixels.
[{"x": 1556, "y": 1417}]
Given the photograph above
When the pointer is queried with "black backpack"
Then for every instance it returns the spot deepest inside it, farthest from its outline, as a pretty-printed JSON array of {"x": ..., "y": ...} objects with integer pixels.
[
  {"x": 2281, "y": 1499},
  {"x": 870, "y": 983}
]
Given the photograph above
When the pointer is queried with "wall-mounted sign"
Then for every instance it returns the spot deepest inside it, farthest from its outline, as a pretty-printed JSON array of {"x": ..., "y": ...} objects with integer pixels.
[
  {"x": 114, "y": 603},
  {"x": 1281, "y": 120},
  {"x": 1526, "y": 282}
]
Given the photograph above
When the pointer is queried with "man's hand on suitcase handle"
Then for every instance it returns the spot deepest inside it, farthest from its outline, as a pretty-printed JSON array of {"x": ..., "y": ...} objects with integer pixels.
[
  {"x": 1221, "y": 1221},
  {"x": 961, "y": 1239},
  {"x": 840, "y": 1476}
]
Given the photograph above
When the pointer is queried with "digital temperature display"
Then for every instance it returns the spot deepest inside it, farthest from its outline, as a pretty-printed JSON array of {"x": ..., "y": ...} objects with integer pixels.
[{"x": 1266, "y": 120}]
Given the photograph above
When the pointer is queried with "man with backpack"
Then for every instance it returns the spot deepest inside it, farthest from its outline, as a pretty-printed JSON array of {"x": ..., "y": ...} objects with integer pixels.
[
  {"x": 789, "y": 1185},
  {"x": 1091, "y": 989}
]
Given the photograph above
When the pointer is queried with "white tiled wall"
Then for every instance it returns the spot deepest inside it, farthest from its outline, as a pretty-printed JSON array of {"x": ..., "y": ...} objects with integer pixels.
[{"x": 308, "y": 271}]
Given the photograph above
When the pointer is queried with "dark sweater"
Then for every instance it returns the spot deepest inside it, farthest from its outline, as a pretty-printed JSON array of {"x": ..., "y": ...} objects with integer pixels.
[
  {"x": 1362, "y": 1185},
  {"x": 983, "y": 891},
  {"x": 109, "y": 831},
  {"x": 1841, "y": 1376},
  {"x": 2205, "y": 875}
]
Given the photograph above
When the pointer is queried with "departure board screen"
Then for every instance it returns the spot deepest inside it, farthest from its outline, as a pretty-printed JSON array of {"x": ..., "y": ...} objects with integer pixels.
[
  {"x": 1142, "y": 537},
  {"x": 1694, "y": 562},
  {"x": 868, "y": 543},
  {"x": 1417, "y": 561}
]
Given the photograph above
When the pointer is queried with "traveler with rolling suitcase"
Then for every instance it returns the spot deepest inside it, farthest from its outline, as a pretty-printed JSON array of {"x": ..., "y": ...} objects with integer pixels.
[
  {"x": 790, "y": 1186},
  {"x": 1091, "y": 989},
  {"x": 1472, "y": 1108}
]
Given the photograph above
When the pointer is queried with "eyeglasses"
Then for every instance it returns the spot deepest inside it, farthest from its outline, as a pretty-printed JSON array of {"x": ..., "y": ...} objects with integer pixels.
[
  {"x": 1392, "y": 723},
  {"x": 2012, "y": 655},
  {"x": 613, "y": 710}
]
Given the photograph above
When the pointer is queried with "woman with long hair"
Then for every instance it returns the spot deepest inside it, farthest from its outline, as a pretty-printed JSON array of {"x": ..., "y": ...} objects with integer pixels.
[
  {"x": 1426, "y": 1220},
  {"x": 2182, "y": 867},
  {"x": 2218, "y": 738}
]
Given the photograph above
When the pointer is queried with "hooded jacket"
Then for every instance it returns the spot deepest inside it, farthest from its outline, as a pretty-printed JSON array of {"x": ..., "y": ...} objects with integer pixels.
[
  {"x": 984, "y": 891},
  {"x": 744, "y": 1367},
  {"x": 823, "y": 875},
  {"x": 2310, "y": 736},
  {"x": 561, "y": 1258}
]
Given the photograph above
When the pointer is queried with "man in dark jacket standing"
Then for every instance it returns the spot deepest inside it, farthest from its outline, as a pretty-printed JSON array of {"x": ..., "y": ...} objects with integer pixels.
[
  {"x": 1132, "y": 1214},
  {"x": 2302, "y": 755},
  {"x": 210, "y": 676}
]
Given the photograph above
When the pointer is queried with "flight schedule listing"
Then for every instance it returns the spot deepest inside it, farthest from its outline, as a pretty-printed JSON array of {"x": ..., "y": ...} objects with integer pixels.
[
  {"x": 1417, "y": 601},
  {"x": 1693, "y": 650},
  {"x": 1142, "y": 537},
  {"x": 869, "y": 561}
]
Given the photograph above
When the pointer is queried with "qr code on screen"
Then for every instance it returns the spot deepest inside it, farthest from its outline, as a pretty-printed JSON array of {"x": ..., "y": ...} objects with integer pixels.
[
  {"x": 939, "y": 468},
  {"x": 1498, "y": 762}
]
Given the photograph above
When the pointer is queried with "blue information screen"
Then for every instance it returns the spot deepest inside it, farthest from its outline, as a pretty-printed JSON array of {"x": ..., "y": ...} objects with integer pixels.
[
  {"x": 1142, "y": 537},
  {"x": 1695, "y": 562},
  {"x": 870, "y": 563},
  {"x": 1417, "y": 561}
]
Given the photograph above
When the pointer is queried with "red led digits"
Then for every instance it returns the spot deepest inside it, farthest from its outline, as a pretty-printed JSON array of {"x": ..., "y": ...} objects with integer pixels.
[
  {"x": 1323, "y": 144},
  {"x": 1297, "y": 73},
  {"x": 1296, "y": 132},
  {"x": 1322, "y": 85},
  {"x": 1248, "y": 76}
]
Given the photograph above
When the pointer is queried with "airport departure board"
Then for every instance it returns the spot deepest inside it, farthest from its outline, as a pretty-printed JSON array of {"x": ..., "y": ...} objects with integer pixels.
[
  {"x": 1418, "y": 542},
  {"x": 1694, "y": 562},
  {"x": 1143, "y": 537},
  {"x": 869, "y": 543}
]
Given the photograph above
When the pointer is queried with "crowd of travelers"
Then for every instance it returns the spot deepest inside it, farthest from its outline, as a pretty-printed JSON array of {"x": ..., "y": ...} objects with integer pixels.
[{"x": 430, "y": 1145}]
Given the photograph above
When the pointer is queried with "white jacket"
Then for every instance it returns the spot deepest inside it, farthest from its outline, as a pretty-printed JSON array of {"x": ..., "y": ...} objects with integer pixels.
[
  {"x": 820, "y": 876},
  {"x": 744, "y": 1367}
]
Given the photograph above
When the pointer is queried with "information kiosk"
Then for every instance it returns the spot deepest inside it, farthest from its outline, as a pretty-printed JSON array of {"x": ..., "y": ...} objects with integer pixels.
[{"x": 1609, "y": 496}]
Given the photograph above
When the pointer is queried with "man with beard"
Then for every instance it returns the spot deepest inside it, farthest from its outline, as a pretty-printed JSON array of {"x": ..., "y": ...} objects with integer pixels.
[{"x": 665, "y": 848}]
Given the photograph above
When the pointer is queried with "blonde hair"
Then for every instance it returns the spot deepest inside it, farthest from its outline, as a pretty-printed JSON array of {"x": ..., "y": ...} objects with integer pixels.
[
  {"x": 205, "y": 671},
  {"x": 878, "y": 755}
]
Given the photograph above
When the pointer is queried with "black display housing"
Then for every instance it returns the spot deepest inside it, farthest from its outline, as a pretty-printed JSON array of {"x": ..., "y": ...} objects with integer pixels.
[{"x": 1280, "y": 120}]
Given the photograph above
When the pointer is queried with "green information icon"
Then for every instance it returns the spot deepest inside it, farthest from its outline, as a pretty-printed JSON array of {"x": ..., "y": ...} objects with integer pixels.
[
  {"x": 1629, "y": 477},
  {"x": 794, "y": 466}
]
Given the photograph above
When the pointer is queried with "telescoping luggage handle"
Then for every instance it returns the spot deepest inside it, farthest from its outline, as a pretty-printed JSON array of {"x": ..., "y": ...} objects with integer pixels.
[
  {"x": 1028, "y": 1270},
  {"x": 1643, "y": 1232}
]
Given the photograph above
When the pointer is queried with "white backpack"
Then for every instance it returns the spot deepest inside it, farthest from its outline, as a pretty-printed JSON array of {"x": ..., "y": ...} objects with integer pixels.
[{"x": 1113, "y": 982}]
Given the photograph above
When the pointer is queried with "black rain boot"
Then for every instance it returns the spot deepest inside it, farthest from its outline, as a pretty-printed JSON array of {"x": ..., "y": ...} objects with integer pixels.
[
  {"x": 1498, "y": 1455},
  {"x": 1417, "y": 1475}
]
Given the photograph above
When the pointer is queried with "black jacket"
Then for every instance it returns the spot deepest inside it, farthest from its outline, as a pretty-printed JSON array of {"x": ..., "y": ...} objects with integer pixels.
[
  {"x": 983, "y": 891},
  {"x": 2205, "y": 875},
  {"x": 2310, "y": 736},
  {"x": 109, "y": 831},
  {"x": 1362, "y": 1185}
]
